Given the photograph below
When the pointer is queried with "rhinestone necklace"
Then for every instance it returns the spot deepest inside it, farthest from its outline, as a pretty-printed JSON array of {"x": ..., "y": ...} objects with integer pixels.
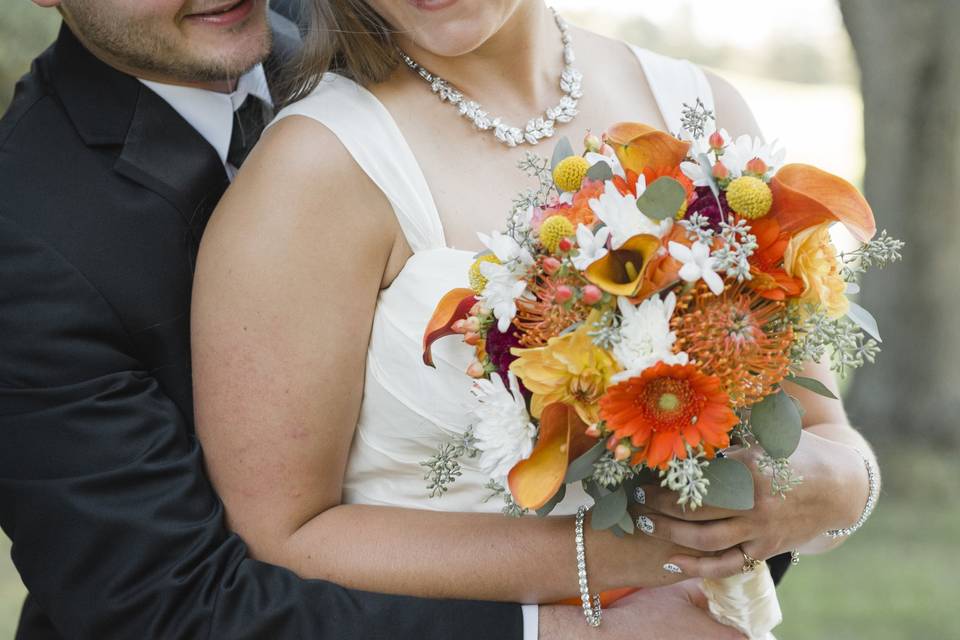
[{"x": 537, "y": 128}]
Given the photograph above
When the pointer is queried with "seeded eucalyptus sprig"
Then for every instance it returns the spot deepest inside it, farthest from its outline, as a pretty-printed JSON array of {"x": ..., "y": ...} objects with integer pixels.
[
  {"x": 879, "y": 252},
  {"x": 443, "y": 468}
]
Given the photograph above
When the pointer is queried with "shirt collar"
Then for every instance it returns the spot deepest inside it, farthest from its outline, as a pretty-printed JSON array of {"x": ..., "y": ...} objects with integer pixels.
[{"x": 210, "y": 112}]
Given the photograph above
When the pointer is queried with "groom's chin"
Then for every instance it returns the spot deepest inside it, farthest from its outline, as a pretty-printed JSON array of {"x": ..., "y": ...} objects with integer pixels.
[{"x": 226, "y": 37}]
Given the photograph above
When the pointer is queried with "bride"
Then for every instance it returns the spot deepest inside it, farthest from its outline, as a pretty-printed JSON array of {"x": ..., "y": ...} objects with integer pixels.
[{"x": 322, "y": 265}]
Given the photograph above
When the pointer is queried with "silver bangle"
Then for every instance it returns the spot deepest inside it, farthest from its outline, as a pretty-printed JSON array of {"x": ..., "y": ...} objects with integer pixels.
[
  {"x": 592, "y": 612},
  {"x": 873, "y": 478}
]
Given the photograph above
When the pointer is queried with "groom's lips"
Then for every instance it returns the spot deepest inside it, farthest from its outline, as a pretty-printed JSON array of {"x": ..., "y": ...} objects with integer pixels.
[{"x": 224, "y": 14}]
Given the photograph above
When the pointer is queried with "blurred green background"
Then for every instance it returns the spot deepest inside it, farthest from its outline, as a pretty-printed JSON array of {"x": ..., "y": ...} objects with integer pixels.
[{"x": 796, "y": 64}]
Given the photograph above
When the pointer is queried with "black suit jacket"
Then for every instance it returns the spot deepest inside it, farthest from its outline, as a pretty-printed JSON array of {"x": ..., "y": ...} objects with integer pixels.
[{"x": 104, "y": 194}]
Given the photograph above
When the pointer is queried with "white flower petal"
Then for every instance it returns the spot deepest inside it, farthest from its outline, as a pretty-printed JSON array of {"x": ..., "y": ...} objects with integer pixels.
[
  {"x": 680, "y": 252},
  {"x": 714, "y": 281},
  {"x": 690, "y": 272}
]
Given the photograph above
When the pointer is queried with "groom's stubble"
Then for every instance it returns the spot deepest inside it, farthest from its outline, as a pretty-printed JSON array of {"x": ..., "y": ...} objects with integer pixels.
[{"x": 152, "y": 39}]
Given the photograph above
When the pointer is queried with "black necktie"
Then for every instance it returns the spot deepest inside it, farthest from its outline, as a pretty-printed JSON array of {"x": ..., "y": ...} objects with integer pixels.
[{"x": 248, "y": 123}]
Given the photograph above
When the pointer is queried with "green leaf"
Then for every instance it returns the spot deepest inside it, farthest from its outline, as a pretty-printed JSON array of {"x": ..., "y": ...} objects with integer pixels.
[
  {"x": 731, "y": 485},
  {"x": 864, "y": 320},
  {"x": 662, "y": 199},
  {"x": 812, "y": 384},
  {"x": 563, "y": 150},
  {"x": 582, "y": 467},
  {"x": 553, "y": 502},
  {"x": 626, "y": 523},
  {"x": 776, "y": 423},
  {"x": 600, "y": 171},
  {"x": 609, "y": 510}
]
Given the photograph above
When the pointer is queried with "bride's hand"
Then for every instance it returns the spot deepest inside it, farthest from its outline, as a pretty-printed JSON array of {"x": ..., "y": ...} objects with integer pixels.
[
  {"x": 831, "y": 496},
  {"x": 678, "y": 612}
]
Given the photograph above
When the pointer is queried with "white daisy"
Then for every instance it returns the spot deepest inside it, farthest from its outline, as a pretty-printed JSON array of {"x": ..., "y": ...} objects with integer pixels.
[
  {"x": 645, "y": 336},
  {"x": 697, "y": 265},
  {"x": 504, "y": 432},
  {"x": 736, "y": 156},
  {"x": 620, "y": 213},
  {"x": 502, "y": 290},
  {"x": 507, "y": 250},
  {"x": 591, "y": 247}
]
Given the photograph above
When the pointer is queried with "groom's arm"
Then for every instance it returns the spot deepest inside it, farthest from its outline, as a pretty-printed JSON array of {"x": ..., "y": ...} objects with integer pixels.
[{"x": 116, "y": 531}]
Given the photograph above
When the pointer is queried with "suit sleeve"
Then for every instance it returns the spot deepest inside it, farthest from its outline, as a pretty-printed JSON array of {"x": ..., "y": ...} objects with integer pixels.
[{"x": 116, "y": 531}]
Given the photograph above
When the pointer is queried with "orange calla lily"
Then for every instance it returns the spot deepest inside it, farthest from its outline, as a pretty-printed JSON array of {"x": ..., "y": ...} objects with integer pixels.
[
  {"x": 452, "y": 307},
  {"x": 804, "y": 196},
  {"x": 621, "y": 271},
  {"x": 607, "y": 598},
  {"x": 562, "y": 438},
  {"x": 639, "y": 146}
]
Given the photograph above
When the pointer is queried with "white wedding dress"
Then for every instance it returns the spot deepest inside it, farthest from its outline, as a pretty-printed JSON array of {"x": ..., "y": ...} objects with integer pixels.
[{"x": 408, "y": 409}]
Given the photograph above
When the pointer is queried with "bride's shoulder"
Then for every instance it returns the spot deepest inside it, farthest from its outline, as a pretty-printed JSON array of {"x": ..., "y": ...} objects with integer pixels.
[{"x": 732, "y": 109}]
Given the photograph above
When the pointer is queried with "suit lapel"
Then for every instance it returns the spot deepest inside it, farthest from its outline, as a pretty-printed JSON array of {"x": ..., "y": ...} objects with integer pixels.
[{"x": 157, "y": 148}]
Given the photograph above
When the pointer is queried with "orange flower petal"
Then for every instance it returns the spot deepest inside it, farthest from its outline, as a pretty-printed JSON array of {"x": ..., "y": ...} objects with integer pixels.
[
  {"x": 639, "y": 146},
  {"x": 621, "y": 271},
  {"x": 452, "y": 307},
  {"x": 607, "y": 598},
  {"x": 535, "y": 480},
  {"x": 804, "y": 196}
]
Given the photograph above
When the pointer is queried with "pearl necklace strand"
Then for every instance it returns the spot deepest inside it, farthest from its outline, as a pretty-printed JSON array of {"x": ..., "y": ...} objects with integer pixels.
[{"x": 537, "y": 128}]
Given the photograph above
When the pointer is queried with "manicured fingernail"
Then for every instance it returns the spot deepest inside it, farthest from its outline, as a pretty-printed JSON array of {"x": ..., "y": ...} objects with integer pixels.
[
  {"x": 645, "y": 524},
  {"x": 640, "y": 495},
  {"x": 672, "y": 568}
]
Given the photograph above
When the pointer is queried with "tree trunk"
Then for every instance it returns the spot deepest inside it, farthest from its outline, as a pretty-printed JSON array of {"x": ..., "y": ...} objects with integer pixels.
[{"x": 909, "y": 55}]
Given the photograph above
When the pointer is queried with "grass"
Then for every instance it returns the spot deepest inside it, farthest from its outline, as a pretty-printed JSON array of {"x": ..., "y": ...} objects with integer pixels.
[{"x": 895, "y": 579}]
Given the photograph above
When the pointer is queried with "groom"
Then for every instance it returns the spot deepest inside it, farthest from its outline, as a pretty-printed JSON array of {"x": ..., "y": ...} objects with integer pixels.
[{"x": 115, "y": 151}]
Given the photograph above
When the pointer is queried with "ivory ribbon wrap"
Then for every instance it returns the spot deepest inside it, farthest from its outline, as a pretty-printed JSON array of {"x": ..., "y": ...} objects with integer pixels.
[{"x": 746, "y": 601}]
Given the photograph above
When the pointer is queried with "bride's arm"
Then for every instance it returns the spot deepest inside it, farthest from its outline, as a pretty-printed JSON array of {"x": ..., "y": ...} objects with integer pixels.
[{"x": 286, "y": 284}]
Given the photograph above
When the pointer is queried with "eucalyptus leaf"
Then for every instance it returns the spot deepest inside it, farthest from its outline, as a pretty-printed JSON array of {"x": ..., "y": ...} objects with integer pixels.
[
  {"x": 553, "y": 502},
  {"x": 852, "y": 289},
  {"x": 662, "y": 199},
  {"x": 617, "y": 531},
  {"x": 776, "y": 423},
  {"x": 609, "y": 510},
  {"x": 563, "y": 150},
  {"x": 812, "y": 384},
  {"x": 626, "y": 523},
  {"x": 864, "y": 320},
  {"x": 600, "y": 171},
  {"x": 582, "y": 467},
  {"x": 731, "y": 485},
  {"x": 707, "y": 167}
]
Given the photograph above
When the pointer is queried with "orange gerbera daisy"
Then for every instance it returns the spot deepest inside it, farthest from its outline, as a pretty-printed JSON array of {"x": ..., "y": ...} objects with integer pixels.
[{"x": 666, "y": 408}]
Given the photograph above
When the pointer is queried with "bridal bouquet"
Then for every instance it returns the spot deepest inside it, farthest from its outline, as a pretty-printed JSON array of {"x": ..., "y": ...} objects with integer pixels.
[{"x": 642, "y": 311}]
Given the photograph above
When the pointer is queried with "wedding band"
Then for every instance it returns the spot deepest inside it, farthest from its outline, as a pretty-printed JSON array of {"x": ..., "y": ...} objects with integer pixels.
[{"x": 749, "y": 562}]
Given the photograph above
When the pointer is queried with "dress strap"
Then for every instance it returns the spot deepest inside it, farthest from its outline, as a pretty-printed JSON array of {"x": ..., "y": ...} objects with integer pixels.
[
  {"x": 369, "y": 133},
  {"x": 674, "y": 83}
]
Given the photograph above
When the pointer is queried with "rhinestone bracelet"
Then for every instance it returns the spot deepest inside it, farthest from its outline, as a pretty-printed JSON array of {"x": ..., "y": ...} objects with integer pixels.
[
  {"x": 592, "y": 613},
  {"x": 873, "y": 479}
]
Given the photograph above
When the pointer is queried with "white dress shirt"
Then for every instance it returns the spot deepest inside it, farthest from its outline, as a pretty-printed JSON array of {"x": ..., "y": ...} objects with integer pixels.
[{"x": 211, "y": 114}]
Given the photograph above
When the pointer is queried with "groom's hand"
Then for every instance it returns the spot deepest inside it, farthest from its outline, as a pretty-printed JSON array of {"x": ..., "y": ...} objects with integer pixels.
[{"x": 675, "y": 612}]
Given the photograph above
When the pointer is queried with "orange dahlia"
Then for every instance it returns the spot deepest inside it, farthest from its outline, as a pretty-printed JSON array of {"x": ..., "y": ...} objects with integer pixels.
[
  {"x": 769, "y": 278},
  {"x": 666, "y": 408},
  {"x": 737, "y": 336}
]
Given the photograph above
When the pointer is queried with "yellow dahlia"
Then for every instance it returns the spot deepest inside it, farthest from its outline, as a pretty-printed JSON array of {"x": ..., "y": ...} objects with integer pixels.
[
  {"x": 812, "y": 257},
  {"x": 553, "y": 230},
  {"x": 569, "y": 369},
  {"x": 569, "y": 173},
  {"x": 750, "y": 197}
]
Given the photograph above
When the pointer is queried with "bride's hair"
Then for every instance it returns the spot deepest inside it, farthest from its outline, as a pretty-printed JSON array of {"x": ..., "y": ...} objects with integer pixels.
[{"x": 346, "y": 36}]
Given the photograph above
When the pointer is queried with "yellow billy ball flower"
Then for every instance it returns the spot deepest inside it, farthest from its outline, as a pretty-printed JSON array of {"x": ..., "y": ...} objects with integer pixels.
[
  {"x": 553, "y": 230},
  {"x": 477, "y": 282},
  {"x": 750, "y": 197},
  {"x": 569, "y": 173}
]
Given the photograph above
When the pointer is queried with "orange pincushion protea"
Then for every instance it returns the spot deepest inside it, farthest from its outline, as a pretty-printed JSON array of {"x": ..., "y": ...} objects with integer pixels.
[
  {"x": 666, "y": 408},
  {"x": 543, "y": 318},
  {"x": 733, "y": 336}
]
